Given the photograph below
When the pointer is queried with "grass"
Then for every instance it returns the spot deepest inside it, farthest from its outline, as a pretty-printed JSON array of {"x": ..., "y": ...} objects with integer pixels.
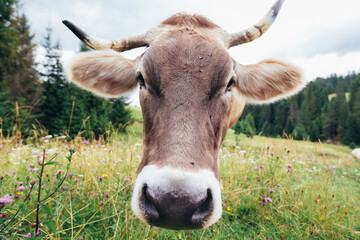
[{"x": 316, "y": 190}]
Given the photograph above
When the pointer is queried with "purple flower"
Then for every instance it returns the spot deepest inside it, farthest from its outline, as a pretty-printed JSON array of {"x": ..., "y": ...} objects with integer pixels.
[
  {"x": 13, "y": 172},
  {"x": 289, "y": 166},
  {"x": 86, "y": 143},
  {"x": 279, "y": 185},
  {"x": 21, "y": 183},
  {"x": 223, "y": 204},
  {"x": 6, "y": 199},
  {"x": 21, "y": 189},
  {"x": 268, "y": 199},
  {"x": 261, "y": 166},
  {"x": 289, "y": 170},
  {"x": 100, "y": 178},
  {"x": 33, "y": 169},
  {"x": 272, "y": 190},
  {"x": 58, "y": 172},
  {"x": 31, "y": 165},
  {"x": 29, "y": 235},
  {"x": 127, "y": 179},
  {"x": 107, "y": 195},
  {"x": 70, "y": 174},
  {"x": 257, "y": 168}
]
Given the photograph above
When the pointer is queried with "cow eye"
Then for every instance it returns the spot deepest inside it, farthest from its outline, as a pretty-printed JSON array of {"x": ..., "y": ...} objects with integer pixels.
[
  {"x": 140, "y": 80},
  {"x": 228, "y": 87}
]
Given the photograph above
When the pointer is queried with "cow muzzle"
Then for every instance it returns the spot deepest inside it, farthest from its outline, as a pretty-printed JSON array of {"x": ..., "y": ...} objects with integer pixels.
[{"x": 177, "y": 199}]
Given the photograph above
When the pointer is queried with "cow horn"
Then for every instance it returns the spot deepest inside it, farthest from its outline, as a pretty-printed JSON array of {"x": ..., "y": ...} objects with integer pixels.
[
  {"x": 98, "y": 44},
  {"x": 258, "y": 29}
]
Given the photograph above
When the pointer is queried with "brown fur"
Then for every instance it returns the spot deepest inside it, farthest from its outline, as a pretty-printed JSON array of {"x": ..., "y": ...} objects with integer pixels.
[
  {"x": 193, "y": 20},
  {"x": 186, "y": 106}
]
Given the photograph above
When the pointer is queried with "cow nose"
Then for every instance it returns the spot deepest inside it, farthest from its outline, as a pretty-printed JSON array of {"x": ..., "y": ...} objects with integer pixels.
[{"x": 176, "y": 209}]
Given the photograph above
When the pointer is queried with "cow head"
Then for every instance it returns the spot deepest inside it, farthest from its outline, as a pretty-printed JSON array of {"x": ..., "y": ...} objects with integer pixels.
[{"x": 191, "y": 93}]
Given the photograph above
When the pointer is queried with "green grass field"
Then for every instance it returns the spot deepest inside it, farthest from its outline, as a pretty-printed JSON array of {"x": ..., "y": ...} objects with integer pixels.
[{"x": 314, "y": 188}]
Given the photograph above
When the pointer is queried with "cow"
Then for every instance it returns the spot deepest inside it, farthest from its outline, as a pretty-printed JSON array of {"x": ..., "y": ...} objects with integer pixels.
[{"x": 191, "y": 92}]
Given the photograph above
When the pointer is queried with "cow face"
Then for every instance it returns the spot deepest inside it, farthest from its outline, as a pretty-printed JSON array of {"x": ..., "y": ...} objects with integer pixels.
[{"x": 191, "y": 93}]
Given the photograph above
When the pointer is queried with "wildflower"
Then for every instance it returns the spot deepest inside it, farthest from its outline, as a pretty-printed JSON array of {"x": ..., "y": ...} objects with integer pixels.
[
  {"x": 279, "y": 185},
  {"x": 70, "y": 174},
  {"x": 33, "y": 169},
  {"x": 101, "y": 203},
  {"x": 21, "y": 189},
  {"x": 104, "y": 175},
  {"x": 21, "y": 183},
  {"x": 107, "y": 195},
  {"x": 76, "y": 179},
  {"x": 127, "y": 179},
  {"x": 228, "y": 208},
  {"x": 48, "y": 136},
  {"x": 95, "y": 194},
  {"x": 63, "y": 188},
  {"x": 38, "y": 232},
  {"x": 58, "y": 172},
  {"x": 289, "y": 166},
  {"x": 6, "y": 199},
  {"x": 272, "y": 190},
  {"x": 86, "y": 143},
  {"x": 289, "y": 170},
  {"x": 272, "y": 153},
  {"x": 257, "y": 168},
  {"x": 13, "y": 172},
  {"x": 29, "y": 235},
  {"x": 261, "y": 166},
  {"x": 32, "y": 183},
  {"x": 223, "y": 204},
  {"x": 100, "y": 178}
]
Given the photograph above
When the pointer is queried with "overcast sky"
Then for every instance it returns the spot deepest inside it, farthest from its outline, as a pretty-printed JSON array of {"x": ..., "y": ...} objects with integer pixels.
[{"x": 320, "y": 36}]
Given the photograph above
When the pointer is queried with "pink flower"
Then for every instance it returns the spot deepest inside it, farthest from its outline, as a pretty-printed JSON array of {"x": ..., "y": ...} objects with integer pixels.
[
  {"x": 21, "y": 189},
  {"x": 21, "y": 183},
  {"x": 223, "y": 204},
  {"x": 13, "y": 172},
  {"x": 289, "y": 166},
  {"x": 86, "y": 143},
  {"x": 257, "y": 168},
  {"x": 279, "y": 185},
  {"x": 58, "y": 172},
  {"x": 6, "y": 199},
  {"x": 29, "y": 235},
  {"x": 127, "y": 179},
  {"x": 289, "y": 170},
  {"x": 272, "y": 190},
  {"x": 100, "y": 178}
]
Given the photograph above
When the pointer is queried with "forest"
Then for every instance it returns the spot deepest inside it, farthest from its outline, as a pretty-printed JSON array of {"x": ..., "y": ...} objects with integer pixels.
[
  {"x": 36, "y": 98},
  {"x": 326, "y": 110}
]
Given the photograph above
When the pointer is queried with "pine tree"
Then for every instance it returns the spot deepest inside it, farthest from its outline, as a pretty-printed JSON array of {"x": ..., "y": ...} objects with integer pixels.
[
  {"x": 57, "y": 104},
  {"x": 18, "y": 77}
]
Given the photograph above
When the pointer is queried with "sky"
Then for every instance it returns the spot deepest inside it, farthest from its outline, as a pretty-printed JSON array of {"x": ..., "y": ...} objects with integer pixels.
[{"x": 320, "y": 36}]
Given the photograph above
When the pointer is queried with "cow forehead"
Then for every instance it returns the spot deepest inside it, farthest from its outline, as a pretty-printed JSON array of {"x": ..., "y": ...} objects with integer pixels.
[{"x": 188, "y": 55}]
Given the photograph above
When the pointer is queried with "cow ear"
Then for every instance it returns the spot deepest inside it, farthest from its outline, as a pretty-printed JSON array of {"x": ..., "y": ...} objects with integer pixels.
[
  {"x": 105, "y": 72},
  {"x": 268, "y": 81}
]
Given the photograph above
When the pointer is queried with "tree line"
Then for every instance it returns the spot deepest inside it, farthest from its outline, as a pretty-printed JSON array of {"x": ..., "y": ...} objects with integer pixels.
[
  {"x": 328, "y": 109},
  {"x": 37, "y": 98}
]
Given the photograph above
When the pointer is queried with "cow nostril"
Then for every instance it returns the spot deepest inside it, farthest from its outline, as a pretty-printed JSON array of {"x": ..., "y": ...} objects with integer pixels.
[
  {"x": 204, "y": 209},
  {"x": 149, "y": 208}
]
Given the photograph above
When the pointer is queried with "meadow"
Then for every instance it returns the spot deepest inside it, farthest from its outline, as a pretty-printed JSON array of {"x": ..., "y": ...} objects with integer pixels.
[{"x": 272, "y": 189}]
